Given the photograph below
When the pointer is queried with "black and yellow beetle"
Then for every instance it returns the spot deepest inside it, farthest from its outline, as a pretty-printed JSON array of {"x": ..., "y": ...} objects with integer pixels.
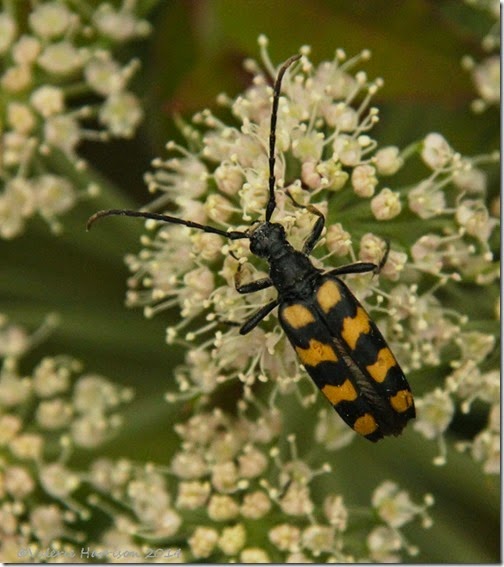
[{"x": 336, "y": 341}]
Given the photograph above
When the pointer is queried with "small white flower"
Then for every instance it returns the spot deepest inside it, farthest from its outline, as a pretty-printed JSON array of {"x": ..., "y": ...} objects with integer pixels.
[
  {"x": 318, "y": 539},
  {"x": 90, "y": 431},
  {"x": 121, "y": 113},
  {"x": 470, "y": 179},
  {"x": 61, "y": 58},
  {"x": 336, "y": 512},
  {"x": 332, "y": 177},
  {"x": 434, "y": 413},
  {"x": 18, "y": 482},
  {"x": 54, "y": 414},
  {"x": 26, "y": 50},
  {"x": 16, "y": 204},
  {"x": 93, "y": 394},
  {"x": 308, "y": 147},
  {"x": 386, "y": 205},
  {"x": 225, "y": 477},
  {"x": 285, "y": 537},
  {"x": 384, "y": 543},
  {"x": 426, "y": 200},
  {"x": 52, "y": 377},
  {"x": 297, "y": 500},
  {"x": 192, "y": 495},
  {"x": 393, "y": 505},
  {"x": 255, "y": 505},
  {"x": 108, "y": 475},
  {"x": 339, "y": 241},
  {"x": 167, "y": 523},
  {"x": 20, "y": 118},
  {"x": 364, "y": 180},
  {"x": 104, "y": 75},
  {"x": 342, "y": 116},
  {"x": 17, "y": 78},
  {"x": 388, "y": 160},
  {"x": 218, "y": 208},
  {"x": 372, "y": 248},
  {"x": 252, "y": 463},
  {"x": 50, "y": 19},
  {"x": 27, "y": 446},
  {"x": 120, "y": 25},
  {"x": 203, "y": 541},
  {"x": 57, "y": 480},
  {"x": 48, "y": 100},
  {"x": 229, "y": 178},
  {"x": 9, "y": 427},
  {"x": 222, "y": 508},
  {"x": 347, "y": 150},
  {"x": 47, "y": 523},
  {"x": 232, "y": 539},
  {"x": 54, "y": 195},
  {"x": 486, "y": 445},
  {"x": 436, "y": 151},
  {"x": 14, "y": 390},
  {"x": 62, "y": 132},
  {"x": 474, "y": 217},
  {"x": 486, "y": 77}
]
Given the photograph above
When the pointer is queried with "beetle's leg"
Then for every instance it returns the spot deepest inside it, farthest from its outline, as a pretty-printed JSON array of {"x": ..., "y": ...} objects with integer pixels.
[
  {"x": 383, "y": 261},
  {"x": 250, "y": 287},
  {"x": 258, "y": 316},
  {"x": 355, "y": 268},
  {"x": 314, "y": 236},
  {"x": 362, "y": 267}
]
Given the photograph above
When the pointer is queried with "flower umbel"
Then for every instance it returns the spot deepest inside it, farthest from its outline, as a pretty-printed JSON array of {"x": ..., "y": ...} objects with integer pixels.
[
  {"x": 327, "y": 158},
  {"x": 45, "y": 417},
  {"x": 53, "y": 59},
  {"x": 229, "y": 486}
]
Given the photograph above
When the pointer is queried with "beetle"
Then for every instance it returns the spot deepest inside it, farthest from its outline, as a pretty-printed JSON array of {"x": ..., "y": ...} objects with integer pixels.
[{"x": 338, "y": 344}]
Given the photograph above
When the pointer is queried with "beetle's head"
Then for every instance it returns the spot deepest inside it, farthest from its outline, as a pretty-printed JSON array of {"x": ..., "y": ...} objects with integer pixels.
[{"x": 266, "y": 238}]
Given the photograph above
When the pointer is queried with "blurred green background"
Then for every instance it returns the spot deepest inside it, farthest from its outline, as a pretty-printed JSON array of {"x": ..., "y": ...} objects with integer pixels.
[{"x": 195, "y": 52}]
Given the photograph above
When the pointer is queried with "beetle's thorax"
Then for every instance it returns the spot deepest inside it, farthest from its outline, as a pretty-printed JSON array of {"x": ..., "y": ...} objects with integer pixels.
[{"x": 290, "y": 270}]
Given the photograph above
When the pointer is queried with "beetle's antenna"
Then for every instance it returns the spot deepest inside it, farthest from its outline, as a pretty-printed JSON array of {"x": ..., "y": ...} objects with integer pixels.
[
  {"x": 270, "y": 207},
  {"x": 232, "y": 234}
]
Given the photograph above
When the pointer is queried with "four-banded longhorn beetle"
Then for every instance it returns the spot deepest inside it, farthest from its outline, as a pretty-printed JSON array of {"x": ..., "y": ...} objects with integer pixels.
[{"x": 336, "y": 341}]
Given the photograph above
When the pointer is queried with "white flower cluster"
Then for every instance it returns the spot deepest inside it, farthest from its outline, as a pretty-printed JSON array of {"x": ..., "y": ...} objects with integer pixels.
[
  {"x": 234, "y": 497},
  {"x": 326, "y": 158},
  {"x": 322, "y": 127},
  {"x": 486, "y": 73},
  {"x": 60, "y": 85},
  {"x": 44, "y": 416}
]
